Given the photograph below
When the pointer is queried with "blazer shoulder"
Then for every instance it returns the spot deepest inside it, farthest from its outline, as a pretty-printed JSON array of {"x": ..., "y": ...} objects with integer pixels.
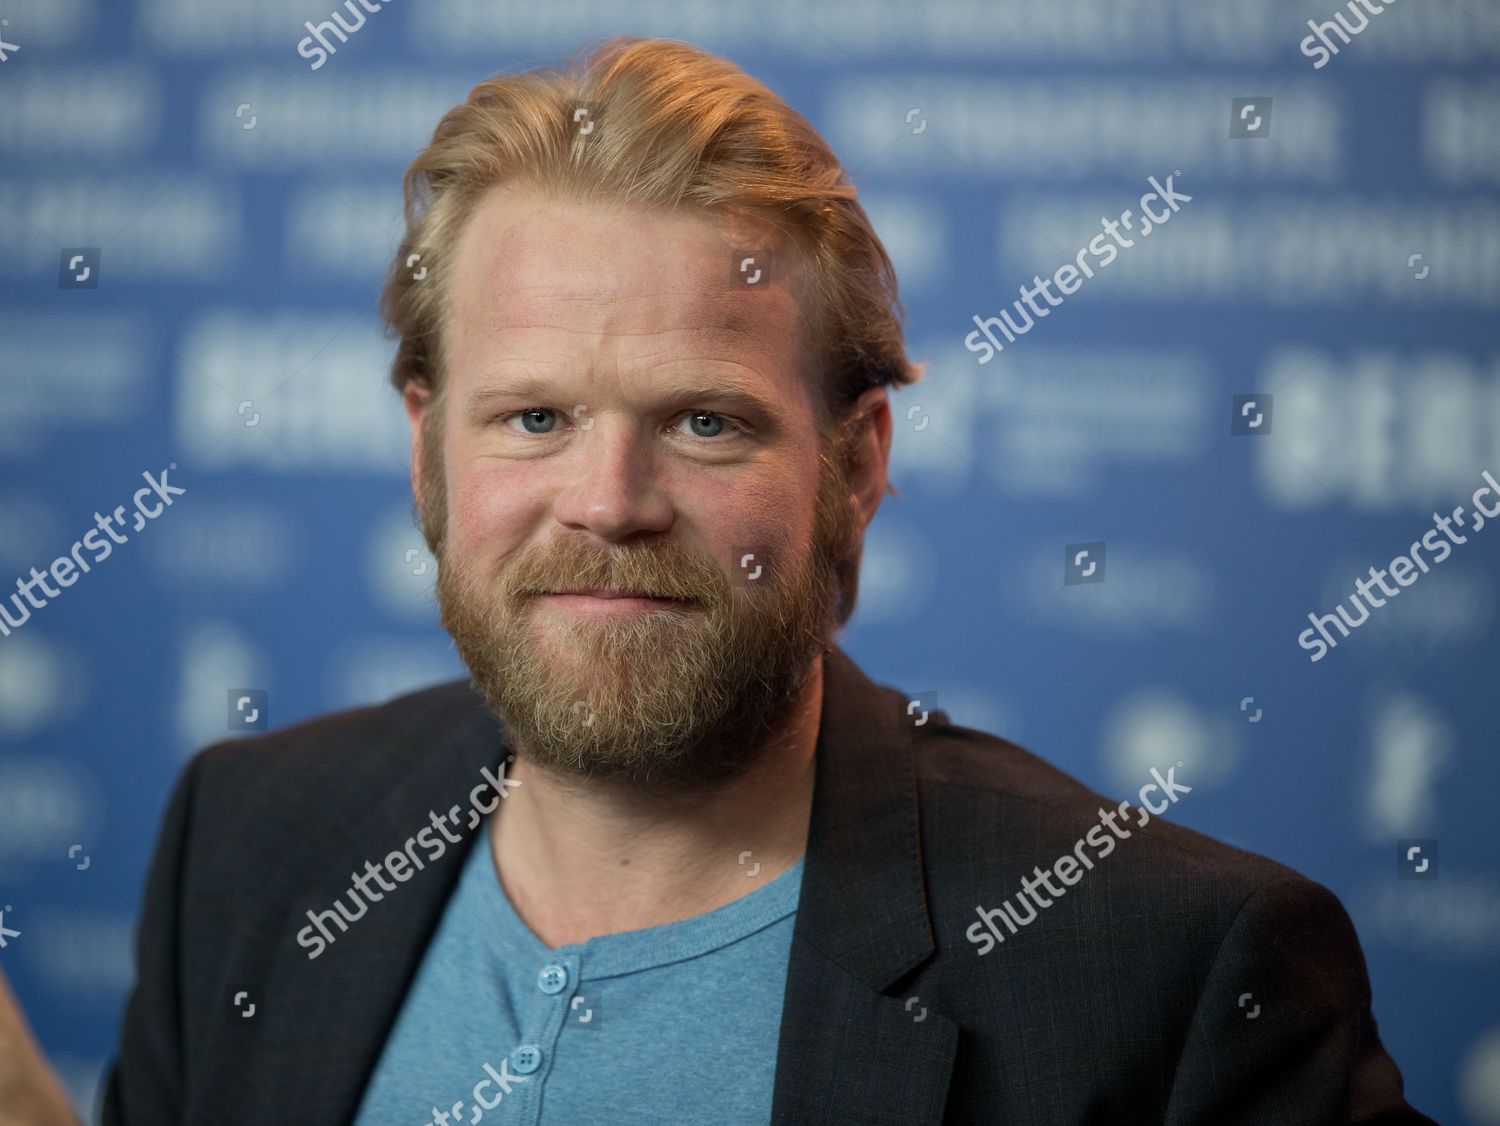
[
  {"x": 979, "y": 790},
  {"x": 351, "y": 731},
  {"x": 335, "y": 763}
]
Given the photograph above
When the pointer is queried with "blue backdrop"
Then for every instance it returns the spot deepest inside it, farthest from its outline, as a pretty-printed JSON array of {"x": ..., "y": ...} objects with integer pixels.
[{"x": 1238, "y": 415}]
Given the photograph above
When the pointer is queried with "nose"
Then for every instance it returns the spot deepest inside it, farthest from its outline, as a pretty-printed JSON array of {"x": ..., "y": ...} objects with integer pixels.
[{"x": 611, "y": 486}]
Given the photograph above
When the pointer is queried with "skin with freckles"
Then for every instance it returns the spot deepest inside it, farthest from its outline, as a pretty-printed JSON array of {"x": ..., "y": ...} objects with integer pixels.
[{"x": 621, "y": 415}]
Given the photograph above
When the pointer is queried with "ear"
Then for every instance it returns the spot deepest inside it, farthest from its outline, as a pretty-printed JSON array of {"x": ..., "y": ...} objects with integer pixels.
[
  {"x": 418, "y": 400},
  {"x": 869, "y": 452}
]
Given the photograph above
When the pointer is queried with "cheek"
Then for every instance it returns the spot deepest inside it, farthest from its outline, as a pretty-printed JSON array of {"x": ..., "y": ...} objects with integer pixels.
[
  {"x": 770, "y": 515},
  {"x": 491, "y": 509}
]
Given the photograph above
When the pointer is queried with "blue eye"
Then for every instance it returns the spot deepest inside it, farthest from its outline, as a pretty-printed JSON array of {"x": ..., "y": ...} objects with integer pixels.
[
  {"x": 707, "y": 425},
  {"x": 716, "y": 418},
  {"x": 528, "y": 416}
]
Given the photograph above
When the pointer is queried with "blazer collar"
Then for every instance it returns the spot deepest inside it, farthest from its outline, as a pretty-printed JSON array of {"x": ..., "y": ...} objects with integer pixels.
[
  {"x": 864, "y": 899},
  {"x": 847, "y": 1049},
  {"x": 357, "y": 985}
]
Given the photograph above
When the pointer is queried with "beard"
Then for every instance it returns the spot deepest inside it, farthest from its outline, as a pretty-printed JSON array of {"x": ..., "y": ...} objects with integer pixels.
[{"x": 677, "y": 698}]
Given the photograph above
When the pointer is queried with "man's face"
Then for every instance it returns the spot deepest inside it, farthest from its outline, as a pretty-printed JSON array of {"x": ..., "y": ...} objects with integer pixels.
[{"x": 623, "y": 414}]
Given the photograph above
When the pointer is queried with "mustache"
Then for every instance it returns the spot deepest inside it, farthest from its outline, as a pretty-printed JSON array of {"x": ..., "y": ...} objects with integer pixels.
[{"x": 661, "y": 570}]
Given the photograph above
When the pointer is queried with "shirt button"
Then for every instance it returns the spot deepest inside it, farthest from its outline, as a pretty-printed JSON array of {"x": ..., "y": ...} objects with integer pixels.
[
  {"x": 526, "y": 1059},
  {"x": 552, "y": 979}
]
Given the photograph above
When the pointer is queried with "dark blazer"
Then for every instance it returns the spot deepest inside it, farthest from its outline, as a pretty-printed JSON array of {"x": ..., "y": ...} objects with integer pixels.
[{"x": 1120, "y": 1003}]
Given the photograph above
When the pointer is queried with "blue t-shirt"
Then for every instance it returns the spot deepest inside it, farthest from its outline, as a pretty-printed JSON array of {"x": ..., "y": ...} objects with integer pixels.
[{"x": 673, "y": 1024}]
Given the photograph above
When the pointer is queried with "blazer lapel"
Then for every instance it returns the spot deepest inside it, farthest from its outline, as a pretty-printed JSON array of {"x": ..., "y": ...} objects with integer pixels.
[
  {"x": 344, "y": 1003},
  {"x": 848, "y": 1051}
]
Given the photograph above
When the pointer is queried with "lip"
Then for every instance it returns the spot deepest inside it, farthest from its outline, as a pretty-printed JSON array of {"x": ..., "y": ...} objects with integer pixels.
[
  {"x": 596, "y": 592},
  {"x": 611, "y": 603}
]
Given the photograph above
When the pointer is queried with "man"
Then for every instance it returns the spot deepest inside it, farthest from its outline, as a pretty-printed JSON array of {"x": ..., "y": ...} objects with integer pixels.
[{"x": 671, "y": 856}]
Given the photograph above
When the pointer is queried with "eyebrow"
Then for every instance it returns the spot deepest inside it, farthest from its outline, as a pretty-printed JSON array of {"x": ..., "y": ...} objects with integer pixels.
[{"x": 669, "y": 393}]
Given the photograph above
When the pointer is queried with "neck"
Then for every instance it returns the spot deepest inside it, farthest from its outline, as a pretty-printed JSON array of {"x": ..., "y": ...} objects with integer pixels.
[{"x": 584, "y": 857}]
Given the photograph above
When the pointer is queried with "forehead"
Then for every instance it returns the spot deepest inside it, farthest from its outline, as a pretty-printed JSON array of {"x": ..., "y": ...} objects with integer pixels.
[{"x": 568, "y": 277}]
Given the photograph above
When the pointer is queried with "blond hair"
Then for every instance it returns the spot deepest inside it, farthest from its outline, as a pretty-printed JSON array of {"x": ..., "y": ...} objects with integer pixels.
[{"x": 673, "y": 127}]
